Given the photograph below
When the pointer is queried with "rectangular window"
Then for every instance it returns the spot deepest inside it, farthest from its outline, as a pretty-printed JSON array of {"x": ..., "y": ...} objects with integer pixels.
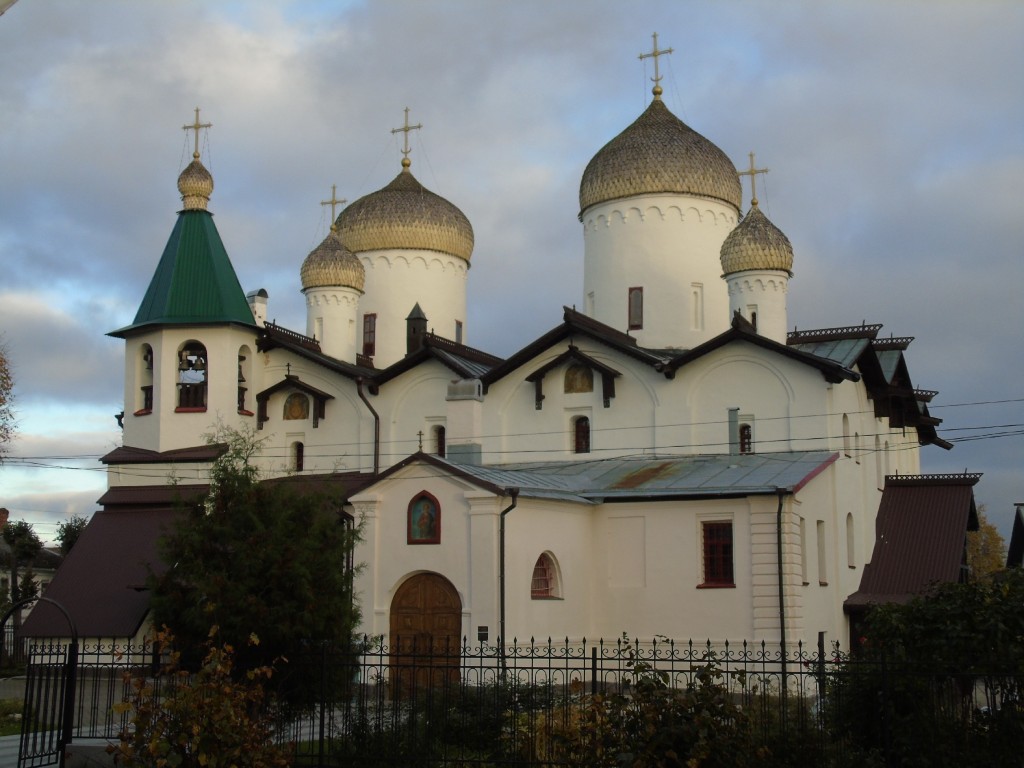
[
  {"x": 636, "y": 309},
  {"x": 718, "y": 554},
  {"x": 369, "y": 334},
  {"x": 458, "y": 331}
]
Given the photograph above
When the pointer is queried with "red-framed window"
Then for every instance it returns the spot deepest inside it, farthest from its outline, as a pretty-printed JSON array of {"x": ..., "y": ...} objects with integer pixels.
[
  {"x": 746, "y": 438},
  {"x": 581, "y": 434},
  {"x": 718, "y": 554},
  {"x": 370, "y": 334},
  {"x": 544, "y": 583}
]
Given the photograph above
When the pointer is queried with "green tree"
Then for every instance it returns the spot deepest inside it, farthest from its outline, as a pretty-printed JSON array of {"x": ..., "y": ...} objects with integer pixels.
[
  {"x": 986, "y": 549},
  {"x": 68, "y": 532},
  {"x": 258, "y": 558},
  {"x": 24, "y": 545},
  {"x": 6, "y": 401},
  {"x": 939, "y": 680}
]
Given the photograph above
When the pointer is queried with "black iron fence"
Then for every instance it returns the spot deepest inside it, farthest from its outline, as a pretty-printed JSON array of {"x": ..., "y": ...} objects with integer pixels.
[{"x": 569, "y": 704}]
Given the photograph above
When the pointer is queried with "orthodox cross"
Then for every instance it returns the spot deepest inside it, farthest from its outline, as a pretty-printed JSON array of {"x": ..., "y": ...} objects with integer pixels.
[
  {"x": 752, "y": 173},
  {"x": 333, "y": 202},
  {"x": 655, "y": 53},
  {"x": 420, "y": 434},
  {"x": 288, "y": 369},
  {"x": 195, "y": 127},
  {"x": 405, "y": 129}
]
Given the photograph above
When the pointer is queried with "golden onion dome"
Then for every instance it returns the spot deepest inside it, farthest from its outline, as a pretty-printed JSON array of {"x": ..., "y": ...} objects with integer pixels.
[
  {"x": 756, "y": 243},
  {"x": 659, "y": 153},
  {"x": 332, "y": 264},
  {"x": 195, "y": 185},
  {"x": 405, "y": 214}
]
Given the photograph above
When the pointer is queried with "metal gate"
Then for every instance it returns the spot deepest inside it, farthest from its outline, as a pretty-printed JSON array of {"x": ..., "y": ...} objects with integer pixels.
[{"x": 46, "y": 717}]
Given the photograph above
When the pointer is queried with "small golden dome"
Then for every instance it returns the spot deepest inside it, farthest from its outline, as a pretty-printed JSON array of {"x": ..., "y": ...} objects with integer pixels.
[
  {"x": 405, "y": 214},
  {"x": 756, "y": 243},
  {"x": 332, "y": 264},
  {"x": 659, "y": 153},
  {"x": 195, "y": 185}
]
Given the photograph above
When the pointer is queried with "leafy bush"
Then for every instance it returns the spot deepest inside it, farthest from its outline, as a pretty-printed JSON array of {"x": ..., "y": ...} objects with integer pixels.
[{"x": 210, "y": 719}]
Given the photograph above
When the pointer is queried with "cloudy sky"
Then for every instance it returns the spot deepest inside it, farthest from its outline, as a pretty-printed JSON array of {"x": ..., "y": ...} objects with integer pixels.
[{"x": 894, "y": 133}]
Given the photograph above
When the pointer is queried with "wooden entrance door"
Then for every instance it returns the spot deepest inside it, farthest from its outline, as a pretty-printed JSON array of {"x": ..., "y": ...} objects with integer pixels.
[{"x": 425, "y": 632}]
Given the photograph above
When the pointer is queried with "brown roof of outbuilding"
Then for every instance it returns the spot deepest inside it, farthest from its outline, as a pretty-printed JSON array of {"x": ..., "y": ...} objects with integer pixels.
[
  {"x": 102, "y": 580},
  {"x": 920, "y": 534}
]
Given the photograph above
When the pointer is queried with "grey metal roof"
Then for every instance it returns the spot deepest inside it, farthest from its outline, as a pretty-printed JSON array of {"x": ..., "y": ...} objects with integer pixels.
[
  {"x": 657, "y": 477},
  {"x": 889, "y": 361},
  {"x": 846, "y": 352},
  {"x": 474, "y": 368}
]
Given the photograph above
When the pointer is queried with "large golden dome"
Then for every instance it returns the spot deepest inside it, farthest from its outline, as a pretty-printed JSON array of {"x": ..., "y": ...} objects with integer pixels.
[
  {"x": 332, "y": 264},
  {"x": 405, "y": 214},
  {"x": 756, "y": 243},
  {"x": 659, "y": 153}
]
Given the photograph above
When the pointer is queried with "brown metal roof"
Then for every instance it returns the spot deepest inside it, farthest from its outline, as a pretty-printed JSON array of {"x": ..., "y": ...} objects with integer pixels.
[
  {"x": 101, "y": 580},
  {"x": 127, "y": 454},
  {"x": 164, "y": 496},
  {"x": 921, "y": 530}
]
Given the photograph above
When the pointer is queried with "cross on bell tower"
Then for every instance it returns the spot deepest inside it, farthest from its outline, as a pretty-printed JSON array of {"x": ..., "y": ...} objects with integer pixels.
[{"x": 195, "y": 127}]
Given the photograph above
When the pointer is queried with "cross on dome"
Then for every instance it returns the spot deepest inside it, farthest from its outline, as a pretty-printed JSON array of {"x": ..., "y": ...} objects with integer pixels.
[
  {"x": 195, "y": 127},
  {"x": 406, "y": 162},
  {"x": 334, "y": 202},
  {"x": 655, "y": 53},
  {"x": 752, "y": 173}
]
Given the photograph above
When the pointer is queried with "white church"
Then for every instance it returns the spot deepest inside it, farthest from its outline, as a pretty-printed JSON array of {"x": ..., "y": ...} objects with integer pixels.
[{"x": 668, "y": 460}]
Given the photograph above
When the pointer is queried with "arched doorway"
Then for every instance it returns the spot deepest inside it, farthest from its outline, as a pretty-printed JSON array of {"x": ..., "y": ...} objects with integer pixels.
[{"x": 425, "y": 632}]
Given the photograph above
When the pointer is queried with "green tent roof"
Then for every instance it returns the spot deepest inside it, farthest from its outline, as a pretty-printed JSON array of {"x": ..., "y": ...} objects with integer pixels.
[{"x": 194, "y": 282}]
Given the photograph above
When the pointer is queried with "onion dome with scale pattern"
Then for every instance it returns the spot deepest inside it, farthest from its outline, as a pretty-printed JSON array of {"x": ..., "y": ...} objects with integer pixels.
[
  {"x": 331, "y": 264},
  {"x": 195, "y": 185},
  {"x": 658, "y": 154},
  {"x": 406, "y": 215},
  {"x": 756, "y": 244}
]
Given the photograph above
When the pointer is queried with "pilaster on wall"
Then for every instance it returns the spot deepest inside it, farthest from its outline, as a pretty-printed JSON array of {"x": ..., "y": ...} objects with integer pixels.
[
  {"x": 376, "y": 609},
  {"x": 764, "y": 572},
  {"x": 484, "y": 597}
]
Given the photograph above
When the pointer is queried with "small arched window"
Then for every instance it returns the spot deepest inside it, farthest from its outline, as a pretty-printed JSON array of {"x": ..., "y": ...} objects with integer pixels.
[
  {"x": 581, "y": 434},
  {"x": 193, "y": 381},
  {"x": 244, "y": 376},
  {"x": 746, "y": 438},
  {"x": 144, "y": 403},
  {"x": 545, "y": 583},
  {"x": 439, "y": 438},
  {"x": 298, "y": 456},
  {"x": 846, "y": 435}
]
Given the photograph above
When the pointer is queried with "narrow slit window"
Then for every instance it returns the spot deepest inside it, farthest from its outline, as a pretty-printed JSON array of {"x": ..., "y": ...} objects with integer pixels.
[{"x": 636, "y": 308}]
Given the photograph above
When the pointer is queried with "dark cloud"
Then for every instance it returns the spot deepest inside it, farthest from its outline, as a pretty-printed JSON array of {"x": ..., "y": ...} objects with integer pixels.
[{"x": 892, "y": 131}]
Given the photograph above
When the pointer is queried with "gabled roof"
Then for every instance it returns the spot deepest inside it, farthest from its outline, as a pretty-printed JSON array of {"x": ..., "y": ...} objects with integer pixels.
[
  {"x": 921, "y": 532},
  {"x": 883, "y": 367},
  {"x": 574, "y": 324},
  {"x": 194, "y": 282},
  {"x": 640, "y": 478},
  {"x": 102, "y": 580},
  {"x": 742, "y": 330},
  {"x": 465, "y": 362}
]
